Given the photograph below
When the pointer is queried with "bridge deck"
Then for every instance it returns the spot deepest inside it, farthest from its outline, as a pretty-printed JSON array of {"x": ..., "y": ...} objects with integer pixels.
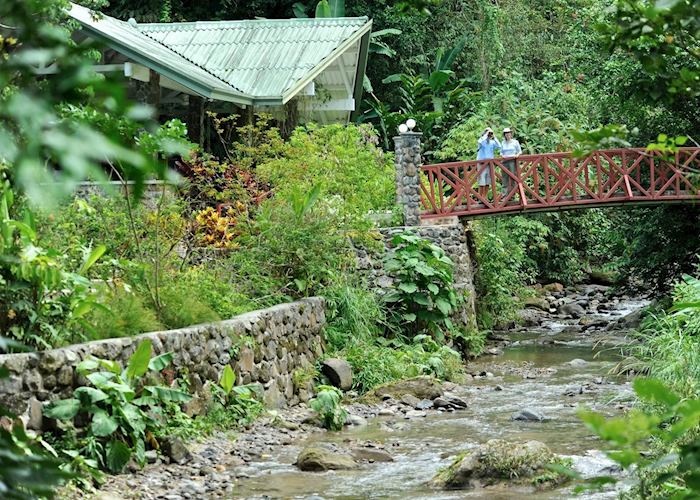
[{"x": 557, "y": 181}]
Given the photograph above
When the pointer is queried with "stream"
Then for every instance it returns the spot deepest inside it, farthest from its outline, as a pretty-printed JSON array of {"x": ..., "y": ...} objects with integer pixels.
[{"x": 554, "y": 369}]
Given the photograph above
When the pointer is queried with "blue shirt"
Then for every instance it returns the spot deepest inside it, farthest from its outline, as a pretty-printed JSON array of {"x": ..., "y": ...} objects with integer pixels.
[
  {"x": 511, "y": 148},
  {"x": 487, "y": 149}
]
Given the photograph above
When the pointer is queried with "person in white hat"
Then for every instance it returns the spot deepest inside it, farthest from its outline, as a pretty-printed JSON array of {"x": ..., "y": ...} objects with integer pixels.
[
  {"x": 510, "y": 148},
  {"x": 486, "y": 150}
]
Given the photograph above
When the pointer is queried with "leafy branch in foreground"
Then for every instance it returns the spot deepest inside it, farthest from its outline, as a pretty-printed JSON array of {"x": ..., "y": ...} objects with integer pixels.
[
  {"x": 674, "y": 424},
  {"x": 40, "y": 300},
  {"x": 34, "y": 135},
  {"x": 29, "y": 468}
]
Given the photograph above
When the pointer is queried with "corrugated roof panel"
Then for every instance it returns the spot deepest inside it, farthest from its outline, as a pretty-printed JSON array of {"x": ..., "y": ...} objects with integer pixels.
[
  {"x": 252, "y": 58},
  {"x": 150, "y": 52},
  {"x": 262, "y": 58}
]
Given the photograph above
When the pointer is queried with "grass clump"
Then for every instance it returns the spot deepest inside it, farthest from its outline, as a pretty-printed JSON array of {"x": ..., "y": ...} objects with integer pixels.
[
  {"x": 124, "y": 314},
  {"x": 669, "y": 341},
  {"x": 359, "y": 330}
]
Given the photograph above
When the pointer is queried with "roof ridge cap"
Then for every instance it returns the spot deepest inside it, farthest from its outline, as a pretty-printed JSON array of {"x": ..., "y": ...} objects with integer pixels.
[{"x": 293, "y": 20}]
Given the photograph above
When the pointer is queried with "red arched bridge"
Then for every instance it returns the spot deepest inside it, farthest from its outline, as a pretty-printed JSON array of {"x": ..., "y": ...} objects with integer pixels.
[{"x": 556, "y": 181}]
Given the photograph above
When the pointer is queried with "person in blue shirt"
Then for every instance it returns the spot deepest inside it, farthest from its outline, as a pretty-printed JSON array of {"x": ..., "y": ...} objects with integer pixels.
[
  {"x": 486, "y": 150},
  {"x": 510, "y": 148}
]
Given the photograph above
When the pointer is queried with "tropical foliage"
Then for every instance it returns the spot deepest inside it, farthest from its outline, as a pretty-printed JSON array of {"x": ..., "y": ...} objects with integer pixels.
[
  {"x": 423, "y": 298},
  {"x": 327, "y": 405},
  {"x": 121, "y": 410}
]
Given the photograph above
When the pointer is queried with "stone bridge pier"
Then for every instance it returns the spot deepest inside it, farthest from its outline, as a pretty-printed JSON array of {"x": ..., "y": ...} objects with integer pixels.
[{"x": 448, "y": 233}]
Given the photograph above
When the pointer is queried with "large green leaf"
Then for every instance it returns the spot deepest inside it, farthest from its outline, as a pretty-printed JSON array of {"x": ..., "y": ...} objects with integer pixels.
[
  {"x": 337, "y": 8},
  {"x": 125, "y": 390},
  {"x": 421, "y": 298},
  {"x": 111, "y": 366},
  {"x": 93, "y": 257},
  {"x": 168, "y": 394},
  {"x": 424, "y": 269},
  {"x": 392, "y": 296},
  {"x": 87, "y": 365},
  {"x": 299, "y": 10},
  {"x": 438, "y": 79},
  {"x": 160, "y": 362},
  {"x": 103, "y": 424},
  {"x": 323, "y": 9},
  {"x": 138, "y": 363},
  {"x": 135, "y": 417},
  {"x": 228, "y": 378},
  {"x": 63, "y": 409},
  {"x": 100, "y": 379},
  {"x": 444, "y": 306},
  {"x": 408, "y": 287},
  {"x": 140, "y": 452},
  {"x": 118, "y": 455},
  {"x": 654, "y": 391},
  {"x": 89, "y": 395}
]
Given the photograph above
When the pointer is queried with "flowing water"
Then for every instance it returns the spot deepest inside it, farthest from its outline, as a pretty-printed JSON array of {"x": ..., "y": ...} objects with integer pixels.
[{"x": 534, "y": 372}]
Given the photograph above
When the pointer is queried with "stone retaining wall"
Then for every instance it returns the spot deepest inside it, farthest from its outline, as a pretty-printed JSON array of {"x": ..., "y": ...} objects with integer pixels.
[
  {"x": 265, "y": 346},
  {"x": 452, "y": 239}
]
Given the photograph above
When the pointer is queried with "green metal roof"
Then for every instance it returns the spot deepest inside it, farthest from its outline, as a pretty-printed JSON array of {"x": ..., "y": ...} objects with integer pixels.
[{"x": 249, "y": 62}]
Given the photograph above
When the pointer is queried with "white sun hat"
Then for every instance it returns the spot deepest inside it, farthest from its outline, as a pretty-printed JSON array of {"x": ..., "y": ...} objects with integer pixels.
[{"x": 506, "y": 130}]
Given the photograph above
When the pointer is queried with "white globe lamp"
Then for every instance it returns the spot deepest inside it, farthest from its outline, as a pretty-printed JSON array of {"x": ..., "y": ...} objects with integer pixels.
[
  {"x": 403, "y": 128},
  {"x": 411, "y": 123}
]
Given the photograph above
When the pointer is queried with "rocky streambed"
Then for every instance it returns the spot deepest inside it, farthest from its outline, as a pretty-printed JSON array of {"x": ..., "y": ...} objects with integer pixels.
[{"x": 528, "y": 389}]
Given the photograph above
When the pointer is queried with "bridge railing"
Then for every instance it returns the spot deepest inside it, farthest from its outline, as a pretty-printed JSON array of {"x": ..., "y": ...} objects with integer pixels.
[{"x": 558, "y": 180}]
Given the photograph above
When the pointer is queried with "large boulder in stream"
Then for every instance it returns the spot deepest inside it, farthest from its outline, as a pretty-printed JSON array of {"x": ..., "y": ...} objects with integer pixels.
[
  {"x": 421, "y": 387},
  {"x": 529, "y": 317},
  {"x": 317, "y": 458},
  {"x": 501, "y": 461},
  {"x": 572, "y": 309},
  {"x": 606, "y": 278},
  {"x": 536, "y": 303},
  {"x": 553, "y": 287},
  {"x": 627, "y": 322}
]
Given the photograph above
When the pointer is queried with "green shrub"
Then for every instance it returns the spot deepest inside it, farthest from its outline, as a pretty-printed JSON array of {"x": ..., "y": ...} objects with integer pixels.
[
  {"x": 353, "y": 314},
  {"x": 327, "y": 405},
  {"x": 671, "y": 469},
  {"x": 344, "y": 161},
  {"x": 180, "y": 307},
  {"x": 29, "y": 467},
  {"x": 504, "y": 265},
  {"x": 128, "y": 231},
  {"x": 212, "y": 285},
  {"x": 124, "y": 314},
  {"x": 295, "y": 246},
  {"x": 381, "y": 360},
  {"x": 357, "y": 330},
  {"x": 119, "y": 406},
  {"x": 43, "y": 299},
  {"x": 470, "y": 341},
  {"x": 424, "y": 297}
]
